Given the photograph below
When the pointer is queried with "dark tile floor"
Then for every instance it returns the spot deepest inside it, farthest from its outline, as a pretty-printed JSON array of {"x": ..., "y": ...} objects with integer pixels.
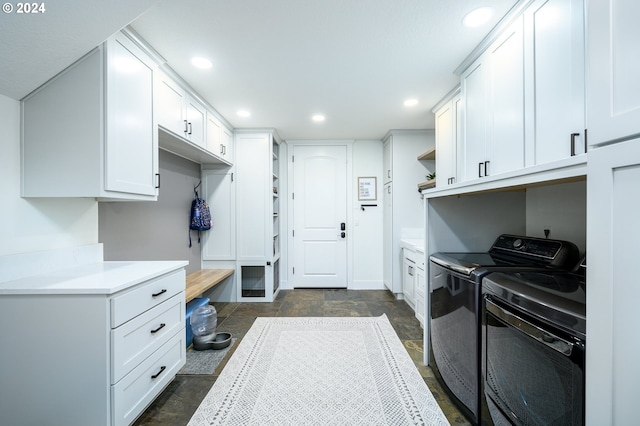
[{"x": 177, "y": 403}]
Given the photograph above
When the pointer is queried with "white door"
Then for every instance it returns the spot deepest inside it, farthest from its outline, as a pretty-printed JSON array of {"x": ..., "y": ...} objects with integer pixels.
[{"x": 319, "y": 255}]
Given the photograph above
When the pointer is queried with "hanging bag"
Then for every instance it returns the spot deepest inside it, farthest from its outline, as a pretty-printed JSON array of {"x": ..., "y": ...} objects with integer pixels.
[{"x": 200, "y": 215}]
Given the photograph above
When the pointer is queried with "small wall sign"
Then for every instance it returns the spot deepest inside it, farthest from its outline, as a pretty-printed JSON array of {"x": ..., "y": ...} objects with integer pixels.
[{"x": 367, "y": 189}]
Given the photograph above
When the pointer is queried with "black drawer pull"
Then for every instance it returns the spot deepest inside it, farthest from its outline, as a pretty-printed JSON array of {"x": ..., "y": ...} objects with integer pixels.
[
  {"x": 155, "y": 376},
  {"x": 163, "y": 291},
  {"x": 162, "y": 325}
]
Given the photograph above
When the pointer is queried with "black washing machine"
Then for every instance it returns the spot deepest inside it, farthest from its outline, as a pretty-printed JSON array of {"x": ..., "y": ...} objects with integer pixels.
[
  {"x": 456, "y": 305},
  {"x": 534, "y": 340}
]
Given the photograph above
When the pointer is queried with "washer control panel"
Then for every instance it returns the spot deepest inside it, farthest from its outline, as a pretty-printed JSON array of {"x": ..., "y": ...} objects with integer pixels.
[{"x": 529, "y": 246}]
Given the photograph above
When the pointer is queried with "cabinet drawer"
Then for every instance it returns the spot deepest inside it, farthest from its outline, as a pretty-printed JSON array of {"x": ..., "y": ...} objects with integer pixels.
[
  {"x": 134, "y": 341},
  {"x": 131, "y": 395},
  {"x": 145, "y": 296},
  {"x": 411, "y": 255}
]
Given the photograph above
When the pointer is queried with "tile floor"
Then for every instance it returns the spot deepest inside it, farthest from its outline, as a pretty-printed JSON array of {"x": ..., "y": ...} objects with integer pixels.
[{"x": 178, "y": 402}]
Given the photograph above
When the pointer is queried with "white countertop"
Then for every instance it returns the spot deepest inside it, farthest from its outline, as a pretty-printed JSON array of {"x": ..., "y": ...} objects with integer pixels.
[
  {"x": 412, "y": 244},
  {"x": 94, "y": 278}
]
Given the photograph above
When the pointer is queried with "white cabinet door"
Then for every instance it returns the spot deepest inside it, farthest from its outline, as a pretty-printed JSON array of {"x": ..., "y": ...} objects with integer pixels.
[
  {"x": 612, "y": 368},
  {"x": 444, "y": 145},
  {"x": 448, "y": 122},
  {"x": 170, "y": 104},
  {"x": 613, "y": 86},
  {"x": 408, "y": 280},
  {"x": 387, "y": 237},
  {"x": 255, "y": 197},
  {"x": 506, "y": 93},
  {"x": 227, "y": 144},
  {"x": 195, "y": 114},
  {"x": 219, "y": 191},
  {"x": 131, "y": 137},
  {"x": 91, "y": 130},
  {"x": 474, "y": 92},
  {"x": 214, "y": 136},
  {"x": 556, "y": 78},
  {"x": 419, "y": 299},
  {"x": 387, "y": 160}
]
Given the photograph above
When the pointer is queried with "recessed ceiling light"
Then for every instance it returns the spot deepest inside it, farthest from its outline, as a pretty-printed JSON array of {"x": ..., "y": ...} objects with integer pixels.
[
  {"x": 477, "y": 17},
  {"x": 410, "y": 102},
  {"x": 318, "y": 118},
  {"x": 200, "y": 62},
  {"x": 243, "y": 113}
]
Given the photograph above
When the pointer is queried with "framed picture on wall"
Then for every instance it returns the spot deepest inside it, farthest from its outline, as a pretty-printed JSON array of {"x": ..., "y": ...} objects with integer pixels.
[{"x": 367, "y": 189}]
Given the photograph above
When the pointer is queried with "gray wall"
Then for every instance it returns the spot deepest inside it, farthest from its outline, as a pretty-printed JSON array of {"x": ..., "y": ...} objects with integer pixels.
[{"x": 154, "y": 230}]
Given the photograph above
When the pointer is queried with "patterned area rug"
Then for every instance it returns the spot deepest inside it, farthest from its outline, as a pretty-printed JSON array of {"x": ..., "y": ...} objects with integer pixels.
[{"x": 320, "y": 371}]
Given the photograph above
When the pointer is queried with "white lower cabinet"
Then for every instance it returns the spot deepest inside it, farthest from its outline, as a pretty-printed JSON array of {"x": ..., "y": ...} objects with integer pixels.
[
  {"x": 413, "y": 281},
  {"x": 408, "y": 276},
  {"x": 83, "y": 355},
  {"x": 419, "y": 299}
]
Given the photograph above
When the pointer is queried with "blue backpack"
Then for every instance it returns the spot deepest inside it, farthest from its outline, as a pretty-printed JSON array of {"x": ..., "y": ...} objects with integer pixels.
[{"x": 200, "y": 215}]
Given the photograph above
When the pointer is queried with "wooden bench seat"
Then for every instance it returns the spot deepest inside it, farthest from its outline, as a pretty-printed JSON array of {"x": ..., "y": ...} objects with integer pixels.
[{"x": 200, "y": 281}]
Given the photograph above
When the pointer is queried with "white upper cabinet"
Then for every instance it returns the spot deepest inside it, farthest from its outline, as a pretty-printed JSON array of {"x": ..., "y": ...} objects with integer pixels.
[
  {"x": 493, "y": 94},
  {"x": 387, "y": 161},
  {"x": 474, "y": 89},
  {"x": 195, "y": 121},
  {"x": 219, "y": 138},
  {"x": 448, "y": 124},
  {"x": 91, "y": 131},
  {"x": 189, "y": 128},
  {"x": 227, "y": 144},
  {"x": 170, "y": 99},
  {"x": 613, "y": 85},
  {"x": 555, "y": 79},
  {"x": 179, "y": 112},
  {"x": 505, "y": 147}
]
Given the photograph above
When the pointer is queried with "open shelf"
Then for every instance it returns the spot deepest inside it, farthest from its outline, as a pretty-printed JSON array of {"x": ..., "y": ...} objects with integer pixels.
[
  {"x": 431, "y": 183},
  {"x": 429, "y": 154}
]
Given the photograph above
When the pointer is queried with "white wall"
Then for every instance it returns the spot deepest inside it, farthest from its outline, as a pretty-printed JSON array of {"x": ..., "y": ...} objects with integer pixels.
[
  {"x": 367, "y": 224},
  {"x": 560, "y": 207},
  {"x": 155, "y": 230},
  {"x": 34, "y": 224}
]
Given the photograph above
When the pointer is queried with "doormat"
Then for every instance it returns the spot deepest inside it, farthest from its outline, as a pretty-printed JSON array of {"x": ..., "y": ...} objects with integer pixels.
[
  {"x": 204, "y": 362},
  {"x": 319, "y": 371}
]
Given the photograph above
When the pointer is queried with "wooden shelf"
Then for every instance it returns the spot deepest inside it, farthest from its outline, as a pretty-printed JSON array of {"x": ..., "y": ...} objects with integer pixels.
[
  {"x": 427, "y": 184},
  {"x": 429, "y": 154}
]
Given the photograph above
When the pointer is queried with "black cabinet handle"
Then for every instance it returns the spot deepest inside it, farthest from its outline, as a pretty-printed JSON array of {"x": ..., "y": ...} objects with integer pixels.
[
  {"x": 163, "y": 291},
  {"x": 585, "y": 141},
  {"x": 573, "y": 143},
  {"x": 162, "y": 325},
  {"x": 158, "y": 185},
  {"x": 221, "y": 149},
  {"x": 486, "y": 165},
  {"x": 155, "y": 376},
  {"x": 480, "y": 169},
  {"x": 186, "y": 126},
  {"x": 189, "y": 129}
]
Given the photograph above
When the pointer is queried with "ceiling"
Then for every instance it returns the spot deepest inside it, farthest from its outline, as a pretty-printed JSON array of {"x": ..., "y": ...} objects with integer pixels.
[{"x": 354, "y": 61}]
